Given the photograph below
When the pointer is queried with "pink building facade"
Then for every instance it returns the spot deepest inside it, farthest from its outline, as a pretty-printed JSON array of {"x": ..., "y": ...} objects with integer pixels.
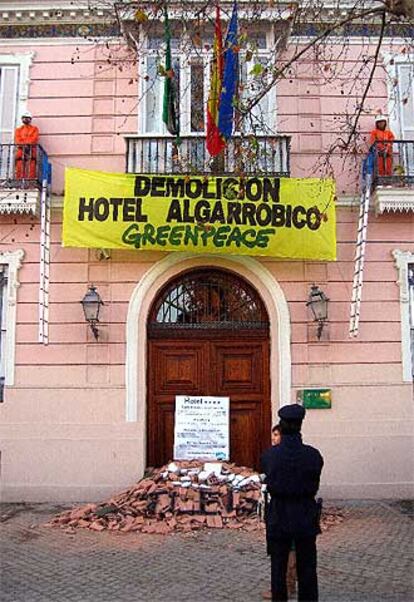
[{"x": 73, "y": 415}]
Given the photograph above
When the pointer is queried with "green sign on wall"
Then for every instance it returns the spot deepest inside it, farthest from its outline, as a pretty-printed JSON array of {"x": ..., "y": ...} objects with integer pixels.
[{"x": 315, "y": 399}]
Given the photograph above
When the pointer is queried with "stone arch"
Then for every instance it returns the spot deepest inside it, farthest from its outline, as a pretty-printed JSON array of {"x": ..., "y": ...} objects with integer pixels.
[{"x": 136, "y": 329}]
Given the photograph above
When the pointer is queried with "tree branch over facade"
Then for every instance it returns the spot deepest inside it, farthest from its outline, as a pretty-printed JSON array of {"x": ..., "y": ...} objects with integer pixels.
[{"x": 313, "y": 34}]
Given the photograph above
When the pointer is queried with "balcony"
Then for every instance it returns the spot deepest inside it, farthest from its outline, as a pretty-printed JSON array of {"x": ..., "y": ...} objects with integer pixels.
[
  {"x": 393, "y": 180},
  {"x": 23, "y": 170},
  {"x": 243, "y": 155}
]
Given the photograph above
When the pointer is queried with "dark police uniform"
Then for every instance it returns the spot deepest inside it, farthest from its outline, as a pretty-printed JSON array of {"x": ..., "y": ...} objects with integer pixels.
[{"x": 292, "y": 476}]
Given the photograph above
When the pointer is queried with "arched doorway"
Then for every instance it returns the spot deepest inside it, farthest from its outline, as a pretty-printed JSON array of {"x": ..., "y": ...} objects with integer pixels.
[{"x": 208, "y": 334}]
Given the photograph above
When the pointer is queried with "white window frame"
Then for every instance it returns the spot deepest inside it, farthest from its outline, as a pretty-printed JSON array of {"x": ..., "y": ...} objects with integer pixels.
[
  {"x": 24, "y": 61},
  {"x": 402, "y": 260},
  {"x": 13, "y": 261},
  {"x": 185, "y": 88}
]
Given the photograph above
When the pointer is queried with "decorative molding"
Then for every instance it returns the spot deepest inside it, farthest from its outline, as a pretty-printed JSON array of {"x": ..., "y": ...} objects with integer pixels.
[
  {"x": 136, "y": 329},
  {"x": 59, "y": 30},
  {"x": 13, "y": 260},
  {"x": 31, "y": 20},
  {"x": 393, "y": 200},
  {"x": 402, "y": 260},
  {"x": 350, "y": 200},
  {"x": 19, "y": 201}
]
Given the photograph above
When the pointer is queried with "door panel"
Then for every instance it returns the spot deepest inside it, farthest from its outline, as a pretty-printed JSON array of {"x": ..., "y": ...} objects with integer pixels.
[
  {"x": 174, "y": 368},
  {"x": 245, "y": 430},
  {"x": 177, "y": 367},
  {"x": 242, "y": 373},
  {"x": 165, "y": 432},
  {"x": 237, "y": 368}
]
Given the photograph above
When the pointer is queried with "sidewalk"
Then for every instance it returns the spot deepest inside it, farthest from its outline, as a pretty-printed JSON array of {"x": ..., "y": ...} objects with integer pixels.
[{"x": 367, "y": 558}]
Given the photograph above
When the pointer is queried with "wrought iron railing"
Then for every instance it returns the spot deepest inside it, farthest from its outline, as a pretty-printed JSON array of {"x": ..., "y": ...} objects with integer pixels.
[
  {"x": 394, "y": 163},
  {"x": 188, "y": 154},
  {"x": 23, "y": 166}
]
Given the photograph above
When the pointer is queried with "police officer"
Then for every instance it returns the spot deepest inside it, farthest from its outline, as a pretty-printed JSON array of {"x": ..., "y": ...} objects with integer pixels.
[{"x": 292, "y": 472}]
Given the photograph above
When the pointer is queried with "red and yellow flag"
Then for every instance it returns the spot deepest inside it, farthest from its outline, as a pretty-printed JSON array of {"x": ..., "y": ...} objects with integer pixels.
[{"x": 214, "y": 140}]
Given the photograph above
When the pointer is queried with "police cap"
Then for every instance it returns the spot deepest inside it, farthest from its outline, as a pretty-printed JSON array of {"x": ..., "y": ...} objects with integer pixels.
[{"x": 293, "y": 411}]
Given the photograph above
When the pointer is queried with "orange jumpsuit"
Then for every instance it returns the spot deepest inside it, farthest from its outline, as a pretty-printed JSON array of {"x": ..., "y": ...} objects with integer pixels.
[
  {"x": 26, "y": 155},
  {"x": 383, "y": 150}
]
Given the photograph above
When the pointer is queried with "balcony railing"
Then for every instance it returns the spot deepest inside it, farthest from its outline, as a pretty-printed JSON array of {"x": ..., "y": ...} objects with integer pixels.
[
  {"x": 394, "y": 163},
  {"x": 247, "y": 155},
  {"x": 23, "y": 166}
]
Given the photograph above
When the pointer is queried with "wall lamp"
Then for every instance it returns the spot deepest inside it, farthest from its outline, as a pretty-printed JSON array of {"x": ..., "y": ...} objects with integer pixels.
[
  {"x": 91, "y": 304},
  {"x": 318, "y": 302}
]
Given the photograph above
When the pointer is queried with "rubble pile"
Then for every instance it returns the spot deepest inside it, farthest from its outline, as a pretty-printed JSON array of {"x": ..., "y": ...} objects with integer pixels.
[{"x": 181, "y": 496}]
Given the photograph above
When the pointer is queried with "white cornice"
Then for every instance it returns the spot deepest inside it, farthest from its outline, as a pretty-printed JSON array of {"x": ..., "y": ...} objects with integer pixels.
[
  {"x": 66, "y": 11},
  {"x": 16, "y": 201},
  {"x": 31, "y": 42},
  {"x": 393, "y": 200}
]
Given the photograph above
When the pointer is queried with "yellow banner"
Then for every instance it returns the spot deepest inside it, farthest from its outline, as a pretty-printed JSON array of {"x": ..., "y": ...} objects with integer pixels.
[{"x": 279, "y": 217}]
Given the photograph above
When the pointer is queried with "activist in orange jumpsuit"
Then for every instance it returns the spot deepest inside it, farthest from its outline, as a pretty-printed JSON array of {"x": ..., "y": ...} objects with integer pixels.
[
  {"x": 383, "y": 148},
  {"x": 26, "y": 137}
]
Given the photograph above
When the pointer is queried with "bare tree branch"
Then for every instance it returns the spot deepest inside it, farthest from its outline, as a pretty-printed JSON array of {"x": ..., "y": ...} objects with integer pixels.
[
  {"x": 280, "y": 72},
  {"x": 368, "y": 85}
]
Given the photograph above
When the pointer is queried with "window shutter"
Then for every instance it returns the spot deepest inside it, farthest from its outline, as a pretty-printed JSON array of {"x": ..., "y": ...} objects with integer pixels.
[
  {"x": 8, "y": 102},
  {"x": 153, "y": 99}
]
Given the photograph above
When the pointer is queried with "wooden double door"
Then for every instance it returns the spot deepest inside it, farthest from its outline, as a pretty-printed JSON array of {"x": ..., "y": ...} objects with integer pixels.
[{"x": 228, "y": 364}]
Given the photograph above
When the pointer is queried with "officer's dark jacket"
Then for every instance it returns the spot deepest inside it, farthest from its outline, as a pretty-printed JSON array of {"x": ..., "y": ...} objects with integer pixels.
[{"x": 292, "y": 472}]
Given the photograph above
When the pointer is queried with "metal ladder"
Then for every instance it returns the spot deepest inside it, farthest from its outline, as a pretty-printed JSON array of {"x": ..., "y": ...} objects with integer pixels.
[
  {"x": 44, "y": 256},
  {"x": 360, "y": 248}
]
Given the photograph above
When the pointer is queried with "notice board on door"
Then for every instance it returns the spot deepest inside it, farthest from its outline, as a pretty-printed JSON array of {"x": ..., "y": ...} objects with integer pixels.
[{"x": 202, "y": 428}]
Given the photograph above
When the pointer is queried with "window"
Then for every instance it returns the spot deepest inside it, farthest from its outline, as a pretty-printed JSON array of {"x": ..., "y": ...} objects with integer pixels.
[
  {"x": 14, "y": 86},
  {"x": 192, "y": 68},
  {"x": 10, "y": 262},
  {"x": 405, "y": 79},
  {"x": 9, "y": 75},
  {"x": 405, "y": 264},
  {"x": 400, "y": 70},
  {"x": 8, "y": 99}
]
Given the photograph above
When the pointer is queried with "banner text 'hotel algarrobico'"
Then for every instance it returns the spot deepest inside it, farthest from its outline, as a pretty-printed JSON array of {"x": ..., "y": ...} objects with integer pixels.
[{"x": 279, "y": 217}]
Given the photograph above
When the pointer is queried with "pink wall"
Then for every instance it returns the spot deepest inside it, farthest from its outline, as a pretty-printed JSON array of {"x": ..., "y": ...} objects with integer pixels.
[
  {"x": 67, "y": 407},
  {"x": 84, "y": 106},
  {"x": 72, "y": 269}
]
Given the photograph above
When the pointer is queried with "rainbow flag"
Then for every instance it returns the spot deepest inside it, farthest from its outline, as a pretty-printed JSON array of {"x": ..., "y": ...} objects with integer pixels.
[
  {"x": 230, "y": 78},
  {"x": 214, "y": 141}
]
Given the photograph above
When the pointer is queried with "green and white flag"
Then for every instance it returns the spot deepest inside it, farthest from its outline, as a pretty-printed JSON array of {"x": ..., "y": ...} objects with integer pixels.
[{"x": 170, "y": 114}]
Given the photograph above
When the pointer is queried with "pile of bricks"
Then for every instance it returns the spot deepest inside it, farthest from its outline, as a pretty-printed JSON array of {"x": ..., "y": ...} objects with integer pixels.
[{"x": 180, "y": 496}]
